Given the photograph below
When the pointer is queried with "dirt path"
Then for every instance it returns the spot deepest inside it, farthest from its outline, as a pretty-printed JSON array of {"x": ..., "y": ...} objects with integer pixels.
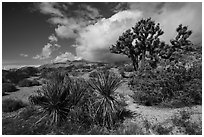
[{"x": 22, "y": 94}]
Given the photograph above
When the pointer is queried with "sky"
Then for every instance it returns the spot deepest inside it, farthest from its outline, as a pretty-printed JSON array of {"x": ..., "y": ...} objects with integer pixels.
[{"x": 39, "y": 33}]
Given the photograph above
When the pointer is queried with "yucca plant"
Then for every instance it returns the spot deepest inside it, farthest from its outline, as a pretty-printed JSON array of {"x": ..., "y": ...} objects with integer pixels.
[
  {"x": 106, "y": 105},
  {"x": 58, "y": 97}
]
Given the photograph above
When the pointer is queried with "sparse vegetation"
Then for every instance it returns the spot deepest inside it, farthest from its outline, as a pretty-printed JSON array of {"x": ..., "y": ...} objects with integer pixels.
[
  {"x": 10, "y": 105},
  {"x": 8, "y": 87},
  {"x": 28, "y": 83},
  {"x": 182, "y": 121},
  {"x": 93, "y": 74},
  {"x": 171, "y": 85},
  {"x": 68, "y": 100},
  {"x": 14, "y": 76}
]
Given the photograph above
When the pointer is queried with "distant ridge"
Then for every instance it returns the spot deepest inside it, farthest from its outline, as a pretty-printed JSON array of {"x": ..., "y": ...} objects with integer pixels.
[{"x": 68, "y": 63}]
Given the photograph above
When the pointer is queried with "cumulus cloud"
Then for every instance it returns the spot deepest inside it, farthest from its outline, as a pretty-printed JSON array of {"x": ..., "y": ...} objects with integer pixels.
[
  {"x": 47, "y": 51},
  {"x": 63, "y": 31},
  {"x": 189, "y": 14},
  {"x": 53, "y": 38},
  {"x": 94, "y": 40},
  {"x": 66, "y": 56},
  {"x": 49, "y": 8},
  {"x": 24, "y": 55},
  {"x": 170, "y": 15},
  {"x": 50, "y": 47}
]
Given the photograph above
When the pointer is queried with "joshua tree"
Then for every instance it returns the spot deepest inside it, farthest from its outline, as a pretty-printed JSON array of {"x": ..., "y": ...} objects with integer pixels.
[
  {"x": 142, "y": 43},
  {"x": 180, "y": 43}
]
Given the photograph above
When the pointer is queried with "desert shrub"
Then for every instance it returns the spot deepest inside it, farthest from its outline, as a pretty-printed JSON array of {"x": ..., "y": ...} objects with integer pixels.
[
  {"x": 28, "y": 112},
  {"x": 15, "y": 76},
  {"x": 35, "y": 82},
  {"x": 10, "y": 105},
  {"x": 174, "y": 83},
  {"x": 183, "y": 120},
  {"x": 25, "y": 83},
  {"x": 59, "y": 97},
  {"x": 106, "y": 106},
  {"x": 28, "y": 83},
  {"x": 3, "y": 93},
  {"x": 8, "y": 87},
  {"x": 4, "y": 73},
  {"x": 161, "y": 130},
  {"x": 86, "y": 67},
  {"x": 122, "y": 72},
  {"x": 29, "y": 71},
  {"x": 128, "y": 68},
  {"x": 75, "y": 73},
  {"x": 46, "y": 72},
  {"x": 93, "y": 74},
  {"x": 128, "y": 129}
]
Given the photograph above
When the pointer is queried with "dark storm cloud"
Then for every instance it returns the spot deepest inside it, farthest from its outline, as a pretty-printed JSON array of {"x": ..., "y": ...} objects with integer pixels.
[
  {"x": 121, "y": 6},
  {"x": 69, "y": 21}
]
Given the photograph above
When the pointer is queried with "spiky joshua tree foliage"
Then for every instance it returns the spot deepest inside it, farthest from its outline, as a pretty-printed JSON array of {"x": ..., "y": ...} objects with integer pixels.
[
  {"x": 140, "y": 42},
  {"x": 58, "y": 97},
  {"x": 106, "y": 105},
  {"x": 180, "y": 45}
]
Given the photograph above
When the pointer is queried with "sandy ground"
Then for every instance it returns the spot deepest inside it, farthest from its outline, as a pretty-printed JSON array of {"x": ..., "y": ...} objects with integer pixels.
[{"x": 22, "y": 94}]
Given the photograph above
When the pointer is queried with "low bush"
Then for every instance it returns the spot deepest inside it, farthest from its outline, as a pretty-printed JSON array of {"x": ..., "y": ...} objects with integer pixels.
[
  {"x": 35, "y": 82},
  {"x": 10, "y": 105},
  {"x": 128, "y": 68},
  {"x": 8, "y": 87},
  {"x": 179, "y": 123},
  {"x": 75, "y": 73},
  {"x": 25, "y": 83},
  {"x": 175, "y": 83},
  {"x": 93, "y": 74},
  {"x": 24, "y": 123},
  {"x": 46, "y": 72},
  {"x": 14, "y": 76},
  {"x": 28, "y": 83},
  {"x": 29, "y": 71},
  {"x": 183, "y": 121},
  {"x": 161, "y": 130}
]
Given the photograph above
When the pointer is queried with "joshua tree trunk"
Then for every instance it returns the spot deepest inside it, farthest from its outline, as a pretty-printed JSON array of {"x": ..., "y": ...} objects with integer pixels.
[
  {"x": 134, "y": 65},
  {"x": 142, "y": 62},
  {"x": 135, "y": 62}
]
